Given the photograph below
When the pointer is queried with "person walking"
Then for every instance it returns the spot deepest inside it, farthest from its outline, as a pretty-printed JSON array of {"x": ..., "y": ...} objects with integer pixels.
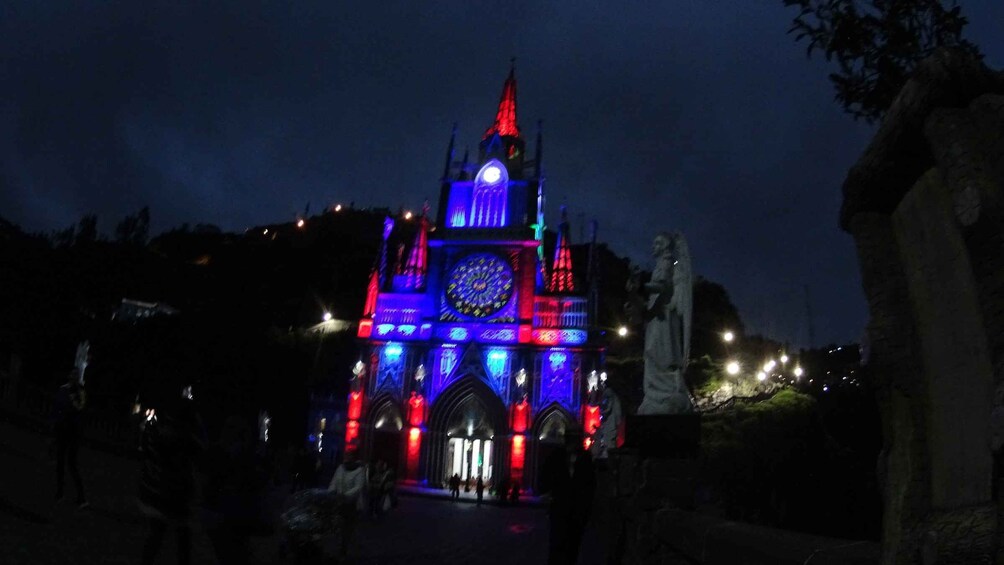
[
  {"x": 67, "y": 406},
  {"x": 349, "y": 486},
  {"x": 455, "y": 486},
  {"x": 480, "y": 489},
  {"x": 171, "y": 441}
]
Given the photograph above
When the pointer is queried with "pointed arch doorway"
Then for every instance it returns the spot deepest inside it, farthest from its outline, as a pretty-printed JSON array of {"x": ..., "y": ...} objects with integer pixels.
[{"x": 468, "y": 428}]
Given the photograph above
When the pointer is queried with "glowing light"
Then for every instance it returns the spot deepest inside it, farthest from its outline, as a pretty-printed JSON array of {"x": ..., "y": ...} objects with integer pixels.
[
  {"x": 784, "y": 358},
  {"x": 520, "y": 416},
  {"x": 384, "y": 329},
  {"x": 365, "y": 328},
  {"x": 587, "y": 443},
  {"x": 517, "y": 456},
  {"x": 761, "y": 376},
  {"x": 592, "y": 381},
  {"x": 492, "y": 174},
  {"x": 326, "y": 317},
  {"x": 769, "y": 366},
  {"x": 603, "y": 377},
  {"x": 420, "y": 373},
  {"x": 406, "y": 329},
  {"x": 521, "y": 377},
  {"x": 557, "y": 358},
  {"x": 728, "y": 337},
  {"x": 622, "y": 331},
  {"x": 265, "y": 232},
  {"x": 459, "y": 334},
  {"x": 799, "y": 372},
  {"x": 407, "y": 215},
  {"x": 416, "y": 411},
  {"x": 355, "y": 405},
  {"x": 351, "y": 431},
  {"x": 591, "y": 419},
  {"x": 300, "y": 223},
  {"x": 393, "y": 350},
  {"x": 338, "y": 207},
  {"x": 732, "y": 368}
]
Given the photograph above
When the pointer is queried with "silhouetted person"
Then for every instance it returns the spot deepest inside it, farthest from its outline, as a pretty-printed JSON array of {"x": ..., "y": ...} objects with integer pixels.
[
  {"x": 502, "y": 491},
  {"x": 67, "y": 405},
  {"x": 480, "y": 489},
  {"x": 377, "y": 488},
  {"x": 556, "y": 482},
  {"x": 349, "y": 485},
  {"x": 172, "y": 439},
  {"x": 455, "y": 486},
  {"x": 233, "y": 493},
  {"x": 583, "y": 492},
  {"x": 514, "y": 493}
]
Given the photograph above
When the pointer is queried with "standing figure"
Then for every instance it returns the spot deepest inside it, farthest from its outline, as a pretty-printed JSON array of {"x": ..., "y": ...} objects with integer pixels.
[
  {"x": 455, "y": 486},
  {"x": 172, "y": 440},
  {"x": 480, "y": 489},
  {"x": 349, "y": 486},
  {"x": 377, "y": 488},
  {"x": 67, "y": 406},
  {"x": 514, "y": 493},
  {"x": 667, "y": 317}
]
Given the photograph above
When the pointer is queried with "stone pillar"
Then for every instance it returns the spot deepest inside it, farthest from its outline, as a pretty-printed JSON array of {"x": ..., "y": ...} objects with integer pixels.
[
  {"x": 956, "y": 375},
  {"x": 892, "y": 335}
]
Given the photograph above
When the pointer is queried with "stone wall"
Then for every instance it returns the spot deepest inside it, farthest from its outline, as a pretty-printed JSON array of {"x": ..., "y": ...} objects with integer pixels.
[
  {"x": 647, "y": 503},
  {"x": 924, "y": 204}
]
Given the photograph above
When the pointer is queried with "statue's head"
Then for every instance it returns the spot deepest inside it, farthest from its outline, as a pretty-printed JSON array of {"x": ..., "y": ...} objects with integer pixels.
[{"x": 662, "y": 244}]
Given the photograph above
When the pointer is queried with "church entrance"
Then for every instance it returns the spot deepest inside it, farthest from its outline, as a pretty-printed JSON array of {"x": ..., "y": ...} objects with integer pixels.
[
  {"x": 470, "y": 450},
  {"x": 470, "y": 458}
]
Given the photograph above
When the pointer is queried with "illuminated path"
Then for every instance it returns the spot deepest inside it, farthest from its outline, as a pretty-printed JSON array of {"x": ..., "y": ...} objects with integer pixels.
[{"x": 420, "y": 531}]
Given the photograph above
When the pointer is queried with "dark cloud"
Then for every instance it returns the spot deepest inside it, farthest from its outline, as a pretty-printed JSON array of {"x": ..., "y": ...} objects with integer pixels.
[{"x": 700, "y": 116}]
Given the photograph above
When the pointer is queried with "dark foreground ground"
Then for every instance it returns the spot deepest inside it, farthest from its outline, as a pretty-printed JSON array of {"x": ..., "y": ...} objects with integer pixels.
[{"x": 34, "y": 530}]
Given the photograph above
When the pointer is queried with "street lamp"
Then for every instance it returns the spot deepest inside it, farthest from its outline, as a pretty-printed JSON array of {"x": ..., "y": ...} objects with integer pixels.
[
  {"x": 769, "y": 366},
  {"x": 326, "y": 317},
  {"x": 300, "y": 223},
  {"x": 732, "y": 367},
  {"x": 407, "y": 215},
  {"x": 728, "y": 337},
  {"x": 761, "y": 376},
  {"x": 784, "y": 358},
  {"x": 338, "y": 207},
  {"x": 798, "y": 371},
  {"x": 622, "y": 331}
]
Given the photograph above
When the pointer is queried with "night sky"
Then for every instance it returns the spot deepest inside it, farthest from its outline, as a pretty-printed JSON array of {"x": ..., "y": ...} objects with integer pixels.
[{"x": 703, "y": 116}]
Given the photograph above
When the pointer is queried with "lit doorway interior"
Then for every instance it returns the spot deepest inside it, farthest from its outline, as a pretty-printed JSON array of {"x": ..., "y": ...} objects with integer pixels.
[{"x": 471, "y": 458}]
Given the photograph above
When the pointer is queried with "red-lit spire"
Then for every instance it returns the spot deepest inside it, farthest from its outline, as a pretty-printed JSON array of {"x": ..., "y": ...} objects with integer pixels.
[
  {"x": 417, "y": 265},
  {"x": 505, "y": 118},
  {"x": 371, "y": 294},
  {"x": 561, "y": 272}
]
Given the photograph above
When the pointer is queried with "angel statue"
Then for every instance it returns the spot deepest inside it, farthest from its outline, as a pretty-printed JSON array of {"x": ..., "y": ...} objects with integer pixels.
[{"x": 667, "y": 317}]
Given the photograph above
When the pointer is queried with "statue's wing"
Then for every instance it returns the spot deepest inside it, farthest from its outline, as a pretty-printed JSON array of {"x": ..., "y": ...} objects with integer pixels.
[{"x": 683, "y": 278}]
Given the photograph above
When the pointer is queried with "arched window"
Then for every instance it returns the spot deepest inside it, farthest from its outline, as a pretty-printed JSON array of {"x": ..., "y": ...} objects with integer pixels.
[{"x": 488, "y": 202}]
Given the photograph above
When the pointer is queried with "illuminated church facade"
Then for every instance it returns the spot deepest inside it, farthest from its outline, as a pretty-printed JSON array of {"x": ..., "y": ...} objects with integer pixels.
[{"x": 480, "y": 352}]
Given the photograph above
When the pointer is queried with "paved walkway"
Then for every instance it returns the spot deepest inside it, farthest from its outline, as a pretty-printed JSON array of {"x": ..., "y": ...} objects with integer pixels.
[{"x": 34, "y": 530}]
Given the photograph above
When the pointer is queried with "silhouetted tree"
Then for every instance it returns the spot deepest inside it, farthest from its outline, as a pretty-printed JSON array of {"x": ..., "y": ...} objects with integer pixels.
[
  {"x": 877, "y": 44},
  {"x": 134, "y": 229},
  {"x": 87, "y": 230}
]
